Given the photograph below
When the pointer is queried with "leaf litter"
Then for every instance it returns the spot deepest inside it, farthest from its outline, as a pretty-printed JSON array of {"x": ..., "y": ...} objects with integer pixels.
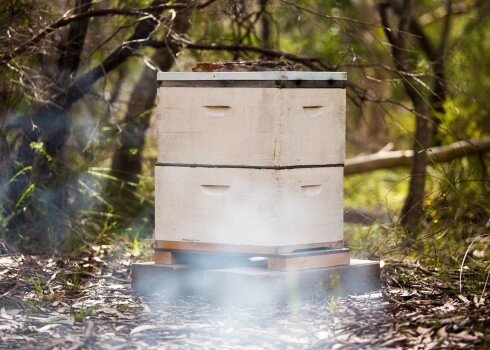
[{"x": 87, "y": 304}]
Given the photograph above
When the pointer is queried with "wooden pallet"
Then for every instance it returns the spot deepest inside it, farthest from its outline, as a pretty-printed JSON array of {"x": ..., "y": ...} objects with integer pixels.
[{"x": 224, "y": 256}]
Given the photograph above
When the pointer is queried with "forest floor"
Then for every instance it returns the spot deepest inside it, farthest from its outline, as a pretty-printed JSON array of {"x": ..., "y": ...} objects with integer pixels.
[{"x": 46, "y": 304}]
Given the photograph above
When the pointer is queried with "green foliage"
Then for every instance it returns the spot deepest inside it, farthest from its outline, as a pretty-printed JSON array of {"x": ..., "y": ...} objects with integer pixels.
[
  {"x": 332, "y": 305},
  {"x": 71, "y": 282},
  {"x": 382, "y": 190},
  {"x": 40, "y": 148},
  {"x": 83, "y": 312},
  {"x": 453, "y": 235},
  {"x": 38, "y": 286}
]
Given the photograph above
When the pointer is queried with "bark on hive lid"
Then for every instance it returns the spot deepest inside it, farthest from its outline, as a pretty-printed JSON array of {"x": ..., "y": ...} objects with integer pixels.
[{"x": 244, "y": 66}]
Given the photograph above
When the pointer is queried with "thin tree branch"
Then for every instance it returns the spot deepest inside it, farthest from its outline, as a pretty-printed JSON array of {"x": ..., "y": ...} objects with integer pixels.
[
  {"x": 127, "y": 49},
  {"x": 314, "y": 63},
  {"x": 347, "y": 19},
  {"x": 66, "y": 19}
]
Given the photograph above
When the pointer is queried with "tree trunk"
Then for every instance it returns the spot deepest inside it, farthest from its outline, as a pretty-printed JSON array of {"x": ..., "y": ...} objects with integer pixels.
[
  {"x": 426, "y": 107},
  {"x": 47, "y": 129},
  {"x": 265, "y": 28},
  {"x": 412, "y": 208},
  {"x": 127, "y": 159},
  {"x": 50, "y": 127}
]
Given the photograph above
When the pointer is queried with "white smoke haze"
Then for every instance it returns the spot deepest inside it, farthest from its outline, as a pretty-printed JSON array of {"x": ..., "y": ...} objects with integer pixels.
[{"x": 191, "y": 322}]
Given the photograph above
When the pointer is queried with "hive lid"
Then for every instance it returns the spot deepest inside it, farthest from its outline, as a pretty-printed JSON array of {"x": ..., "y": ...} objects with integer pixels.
[{"x": 252, "y": 76}]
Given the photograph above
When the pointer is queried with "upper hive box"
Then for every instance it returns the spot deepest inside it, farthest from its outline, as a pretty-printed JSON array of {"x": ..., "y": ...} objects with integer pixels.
[{"x": 259, "y": 119}]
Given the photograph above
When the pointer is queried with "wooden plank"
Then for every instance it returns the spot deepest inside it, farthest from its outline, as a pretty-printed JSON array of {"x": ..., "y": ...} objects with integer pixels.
[
  {"x": 242, "y": 249},
  {"x": 164, "y": 258},
  {"x": 295, "y": 262},
  {"x": 214, "y": 247}
]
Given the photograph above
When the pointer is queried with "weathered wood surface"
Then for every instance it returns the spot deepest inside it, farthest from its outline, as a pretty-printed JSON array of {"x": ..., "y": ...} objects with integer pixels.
[
  {"x": 251, "y": 127},
  {"x": 310, "y": 260}
]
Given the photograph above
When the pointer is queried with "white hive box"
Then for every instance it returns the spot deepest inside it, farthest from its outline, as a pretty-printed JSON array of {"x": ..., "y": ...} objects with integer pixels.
[
  {"x": 250, "y": 160},
  {"x": 251, "y": 126}
]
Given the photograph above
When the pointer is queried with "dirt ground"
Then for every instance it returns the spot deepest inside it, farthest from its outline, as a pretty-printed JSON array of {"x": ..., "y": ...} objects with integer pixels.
[{"x": 87, "y": 304}]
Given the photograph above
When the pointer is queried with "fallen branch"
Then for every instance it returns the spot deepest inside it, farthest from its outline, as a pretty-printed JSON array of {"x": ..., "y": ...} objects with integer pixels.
[
  {"x": 365, "y": 217},
  {"x": 388, "y": 160}
]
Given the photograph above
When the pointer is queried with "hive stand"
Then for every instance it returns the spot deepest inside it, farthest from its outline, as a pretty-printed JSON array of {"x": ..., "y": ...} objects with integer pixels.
[
  {"x": 280, "y": 258},
  {"x": 255, "y": 285},
  {"x": 242, "y": 279}
]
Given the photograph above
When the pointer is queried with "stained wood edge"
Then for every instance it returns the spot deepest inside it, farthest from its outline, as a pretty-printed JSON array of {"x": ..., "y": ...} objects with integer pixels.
[
  {"x": 278, "y": 84},
  {"x": 291, "y": 262},
  {"x": 164, "y": 257},
  {"x": 243, "y": 249},
  {"x": 264, "y": 75}
]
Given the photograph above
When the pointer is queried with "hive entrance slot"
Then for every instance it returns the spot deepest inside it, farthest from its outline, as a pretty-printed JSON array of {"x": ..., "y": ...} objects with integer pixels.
[
  {"x": 217, "y": 111},
  {"x": 313, "y": 111},
  {"x": 311, "y": 190},
  {"x": 215, "y": 190}
]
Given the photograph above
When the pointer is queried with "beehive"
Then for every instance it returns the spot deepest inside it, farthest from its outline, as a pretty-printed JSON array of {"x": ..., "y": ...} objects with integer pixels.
[{"x": 250, "y": 161}]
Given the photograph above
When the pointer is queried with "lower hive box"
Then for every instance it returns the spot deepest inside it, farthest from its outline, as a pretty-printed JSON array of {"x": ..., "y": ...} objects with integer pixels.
[{"x": 245, "y": 208}]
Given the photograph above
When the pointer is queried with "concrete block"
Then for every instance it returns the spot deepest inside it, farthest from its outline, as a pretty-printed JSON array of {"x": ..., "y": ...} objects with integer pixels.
[
  {"x": 149, "y": 278},
  {"x": 250, "y": 287}
]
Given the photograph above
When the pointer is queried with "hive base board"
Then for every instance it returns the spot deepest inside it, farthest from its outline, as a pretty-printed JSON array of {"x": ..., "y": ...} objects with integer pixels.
[
  {"x": 250, "y": 286},
  {"x": 207, "y": 260},
  {"x": 305, "y": 259},
  {"x": 243, "y": 249}
]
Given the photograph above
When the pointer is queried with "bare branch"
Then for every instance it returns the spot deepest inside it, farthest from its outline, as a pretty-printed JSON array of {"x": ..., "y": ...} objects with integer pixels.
[
  {"x": 127, "y": 49},
  {"x": 314, "y": 63},
  {"x": 394, "y": 159},
  {"x": 66, "y": 19},
  {"x": 346, "y": 19}
]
